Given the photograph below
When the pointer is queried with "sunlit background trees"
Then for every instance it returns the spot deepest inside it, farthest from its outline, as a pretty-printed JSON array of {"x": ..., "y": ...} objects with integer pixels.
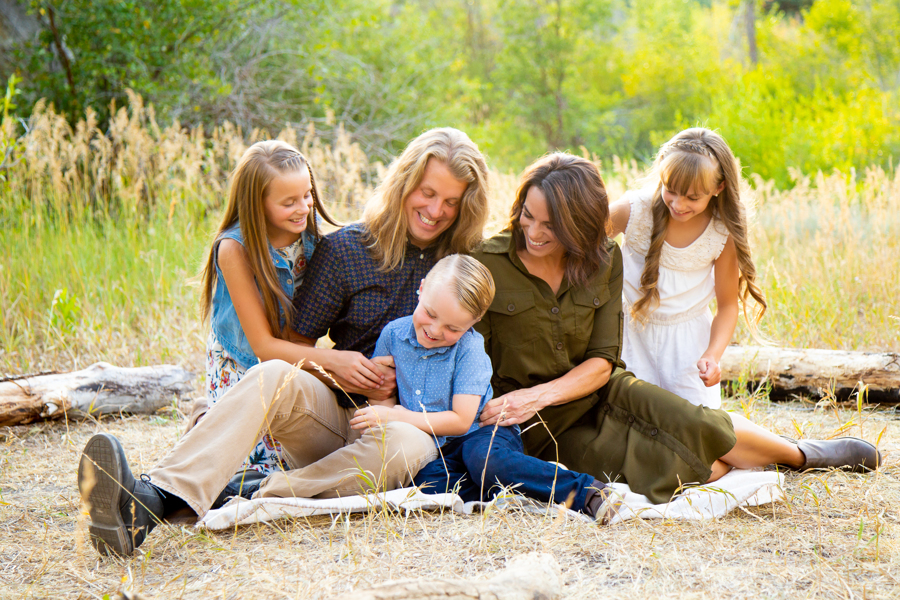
[{"x": 810, "y": 85}]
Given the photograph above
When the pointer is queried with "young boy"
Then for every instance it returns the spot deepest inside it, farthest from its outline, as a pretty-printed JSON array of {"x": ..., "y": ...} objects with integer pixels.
[{"x": 443, "y": 383}]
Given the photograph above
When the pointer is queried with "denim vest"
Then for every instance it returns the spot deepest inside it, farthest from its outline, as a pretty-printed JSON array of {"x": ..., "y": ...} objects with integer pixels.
[{"x": 224, "y": 319}]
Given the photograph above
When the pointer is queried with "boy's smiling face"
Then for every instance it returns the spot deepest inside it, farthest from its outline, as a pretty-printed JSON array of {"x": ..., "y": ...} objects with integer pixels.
[{"x": 439, "y": 320}]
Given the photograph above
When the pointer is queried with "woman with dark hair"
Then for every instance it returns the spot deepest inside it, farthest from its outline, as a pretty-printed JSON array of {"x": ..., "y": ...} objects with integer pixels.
[{"x": 554, "y": 335}]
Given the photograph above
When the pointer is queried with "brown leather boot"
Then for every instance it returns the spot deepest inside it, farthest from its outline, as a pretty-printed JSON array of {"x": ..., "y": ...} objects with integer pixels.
[{"x": 850, "y": 453}]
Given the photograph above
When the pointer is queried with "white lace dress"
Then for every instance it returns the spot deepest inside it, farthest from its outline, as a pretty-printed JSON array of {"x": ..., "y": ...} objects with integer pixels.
[{"x": 664, "y": 349}]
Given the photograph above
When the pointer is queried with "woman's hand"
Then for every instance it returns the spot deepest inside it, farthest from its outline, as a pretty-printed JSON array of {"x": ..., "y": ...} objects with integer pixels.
[
  {"x": 710, "y": 373},
  {"x": 512, "y": 408}
]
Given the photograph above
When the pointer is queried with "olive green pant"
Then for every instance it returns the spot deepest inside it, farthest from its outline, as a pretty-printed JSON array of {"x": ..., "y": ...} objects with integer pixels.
[{"x": 633, "y": 432}]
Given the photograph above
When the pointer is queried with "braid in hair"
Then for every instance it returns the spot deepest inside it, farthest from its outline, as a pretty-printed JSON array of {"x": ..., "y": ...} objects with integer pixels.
[{"x": 650, "y": 275}]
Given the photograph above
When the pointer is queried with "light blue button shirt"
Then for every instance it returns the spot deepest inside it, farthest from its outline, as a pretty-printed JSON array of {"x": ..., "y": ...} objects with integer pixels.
[{"x": 428, "y": 378}]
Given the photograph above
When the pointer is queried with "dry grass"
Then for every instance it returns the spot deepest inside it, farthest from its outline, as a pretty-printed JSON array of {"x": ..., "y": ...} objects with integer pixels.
[{"x": 836, "y": 536}]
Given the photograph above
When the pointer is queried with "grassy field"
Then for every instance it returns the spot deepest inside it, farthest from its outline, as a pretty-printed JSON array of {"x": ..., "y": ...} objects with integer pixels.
[
  {"x": 835, "y": 536},
  {"x": 100, "y": 234}
]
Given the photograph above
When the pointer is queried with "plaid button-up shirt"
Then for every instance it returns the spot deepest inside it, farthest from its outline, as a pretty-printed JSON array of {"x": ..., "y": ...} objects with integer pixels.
[{"x": 345, "y": 295}]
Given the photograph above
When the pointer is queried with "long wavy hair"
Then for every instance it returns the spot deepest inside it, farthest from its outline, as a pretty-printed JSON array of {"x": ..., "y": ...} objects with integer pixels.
[
  {"x": 258, "y": 166},
  {"x": 384, "y": 218},
  {"x": 701, "y": 157},
  {"x": 578, "y": 206}
]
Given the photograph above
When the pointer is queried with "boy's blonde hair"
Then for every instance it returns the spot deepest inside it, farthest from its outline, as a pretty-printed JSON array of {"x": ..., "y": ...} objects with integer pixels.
[
  {"x": 470, "y": 281},
  {"x": 384, "y": 217},
  {"x": 258, "y": 166}
]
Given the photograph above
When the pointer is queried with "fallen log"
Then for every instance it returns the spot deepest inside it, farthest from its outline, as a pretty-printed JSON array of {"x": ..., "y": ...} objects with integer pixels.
[
  {"x": 532, "y": 576},
  {"x": 99, "y": 389},
  {"x": 815, "y": 372}
]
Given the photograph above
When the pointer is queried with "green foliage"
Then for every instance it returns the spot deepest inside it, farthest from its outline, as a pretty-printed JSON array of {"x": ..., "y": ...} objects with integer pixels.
[
  {"x": 520, "y": 76},
  {"x": 90, "y": 51}
]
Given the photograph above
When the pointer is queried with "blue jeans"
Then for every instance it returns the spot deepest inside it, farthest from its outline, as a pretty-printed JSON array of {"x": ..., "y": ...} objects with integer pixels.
[{"x": 501, "y": 460}]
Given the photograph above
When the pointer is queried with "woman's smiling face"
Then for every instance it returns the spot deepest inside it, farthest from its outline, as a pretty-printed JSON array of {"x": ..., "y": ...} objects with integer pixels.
[
  {"x": 433, "y": 206},
  {"x": 540, "y": 241}
]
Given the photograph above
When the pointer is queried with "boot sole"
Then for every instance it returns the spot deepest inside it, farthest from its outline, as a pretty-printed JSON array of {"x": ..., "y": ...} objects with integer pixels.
[{"x": 100, "y": 483}]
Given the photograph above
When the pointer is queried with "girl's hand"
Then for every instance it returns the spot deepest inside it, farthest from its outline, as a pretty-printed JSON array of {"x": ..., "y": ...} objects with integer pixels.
[
  {"x": 355, "y": 369},
  {"x": 512, "y": 408},
  {"x": 372, "y": 416},
  {"x": 710, "y": 373}
]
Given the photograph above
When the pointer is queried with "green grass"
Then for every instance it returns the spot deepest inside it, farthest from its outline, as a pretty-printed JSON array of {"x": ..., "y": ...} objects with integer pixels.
[{"x": 73, "y": 292}]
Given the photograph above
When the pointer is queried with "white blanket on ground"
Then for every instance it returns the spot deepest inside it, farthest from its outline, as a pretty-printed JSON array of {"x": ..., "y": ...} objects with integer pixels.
[{"x": 737, "y": 488}]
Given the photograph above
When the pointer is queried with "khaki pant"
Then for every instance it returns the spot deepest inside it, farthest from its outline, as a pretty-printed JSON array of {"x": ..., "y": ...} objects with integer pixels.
[{"x": 326, "y": 458}]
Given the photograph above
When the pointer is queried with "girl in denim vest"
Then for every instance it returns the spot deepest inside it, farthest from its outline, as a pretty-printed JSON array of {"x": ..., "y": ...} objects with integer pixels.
[{"x": 257, "y": 259}]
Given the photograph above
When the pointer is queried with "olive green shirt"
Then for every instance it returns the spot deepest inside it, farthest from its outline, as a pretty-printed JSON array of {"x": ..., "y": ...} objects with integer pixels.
[{"x": 533, "y": 335}]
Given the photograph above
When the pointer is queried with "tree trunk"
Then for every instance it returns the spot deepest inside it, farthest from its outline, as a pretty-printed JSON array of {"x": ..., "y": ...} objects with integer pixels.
[
  {"x": 533, "y": 576},
  {"x": 99, "y": 389},
  {"x": 814, "y": 372},
  {"x": 750, "y": 23}
]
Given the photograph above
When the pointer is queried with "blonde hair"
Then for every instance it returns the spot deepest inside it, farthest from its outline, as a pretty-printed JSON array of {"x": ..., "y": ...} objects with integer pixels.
[
  {"x": 384, "y": 218},
  {"x": 578, "y": 207},
  {"x": 470, "y": 281},
  {"x": 258, "y": 166},
  {"x": 702, "y": 157}
]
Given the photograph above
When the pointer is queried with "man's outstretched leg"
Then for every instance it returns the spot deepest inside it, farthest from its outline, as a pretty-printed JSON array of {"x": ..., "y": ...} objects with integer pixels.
[{"x": 271, "y": 396}]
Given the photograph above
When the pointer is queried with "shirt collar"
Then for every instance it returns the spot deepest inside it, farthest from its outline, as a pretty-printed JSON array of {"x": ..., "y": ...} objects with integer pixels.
[
  {"x": 505, "y": 243},
  {"x": 410, "y": 337},
  {"x": 413, "y": 250}
]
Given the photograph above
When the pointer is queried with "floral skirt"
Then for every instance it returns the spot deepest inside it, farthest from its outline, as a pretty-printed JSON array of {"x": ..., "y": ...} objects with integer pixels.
[{"x": 222, "y": 373}]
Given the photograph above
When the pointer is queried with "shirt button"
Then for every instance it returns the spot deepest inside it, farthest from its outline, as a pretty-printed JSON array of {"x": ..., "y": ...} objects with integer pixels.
[
  {"x": 424, "y": 358},
  {"x": 596, "y": 301},
  {"x": 418, "y": 392},
  {"x": 290, "y": 281},
  {"x": 555, "y": 310},
  {"x": 654, "y": 431},
  {"x": 511, "y": 307},
  {"x": 421, "y": 256},
  {"x": 630, "y": 417},
  {"x": 559, "y": 346}
]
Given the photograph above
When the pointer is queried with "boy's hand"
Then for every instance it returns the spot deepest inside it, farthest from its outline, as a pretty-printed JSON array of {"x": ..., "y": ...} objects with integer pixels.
[
  {"x": 710, "y": 373},
  {"x": 371, "y": 416}
]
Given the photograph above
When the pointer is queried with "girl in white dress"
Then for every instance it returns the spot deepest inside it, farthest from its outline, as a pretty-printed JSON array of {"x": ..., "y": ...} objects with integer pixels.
[{"x": 686, "y": 243}]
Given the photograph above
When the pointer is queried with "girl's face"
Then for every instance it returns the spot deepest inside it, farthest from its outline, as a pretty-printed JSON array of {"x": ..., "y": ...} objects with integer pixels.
[
  {"x": 433, "y": 206},
  {"x": 540, "y": 241},
  {"x": 693, "y": 203},
  {"x": 286, "y": 206},
  {"x": 439, "y": 320}
]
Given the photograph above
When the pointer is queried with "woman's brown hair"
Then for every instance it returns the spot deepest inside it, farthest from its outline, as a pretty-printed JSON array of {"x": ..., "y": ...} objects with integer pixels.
[
  {"x": 258, "y": 166},
  {"x": 384, "y": 218},
  {"x": 702, "y": 157},
  {"x": 578, "y": 207}
]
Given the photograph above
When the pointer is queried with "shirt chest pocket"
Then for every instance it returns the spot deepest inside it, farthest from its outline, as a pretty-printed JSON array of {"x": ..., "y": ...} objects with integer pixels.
[
  {"x": 514, "y": 319},
  {"x": 587, "y": 301}
]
